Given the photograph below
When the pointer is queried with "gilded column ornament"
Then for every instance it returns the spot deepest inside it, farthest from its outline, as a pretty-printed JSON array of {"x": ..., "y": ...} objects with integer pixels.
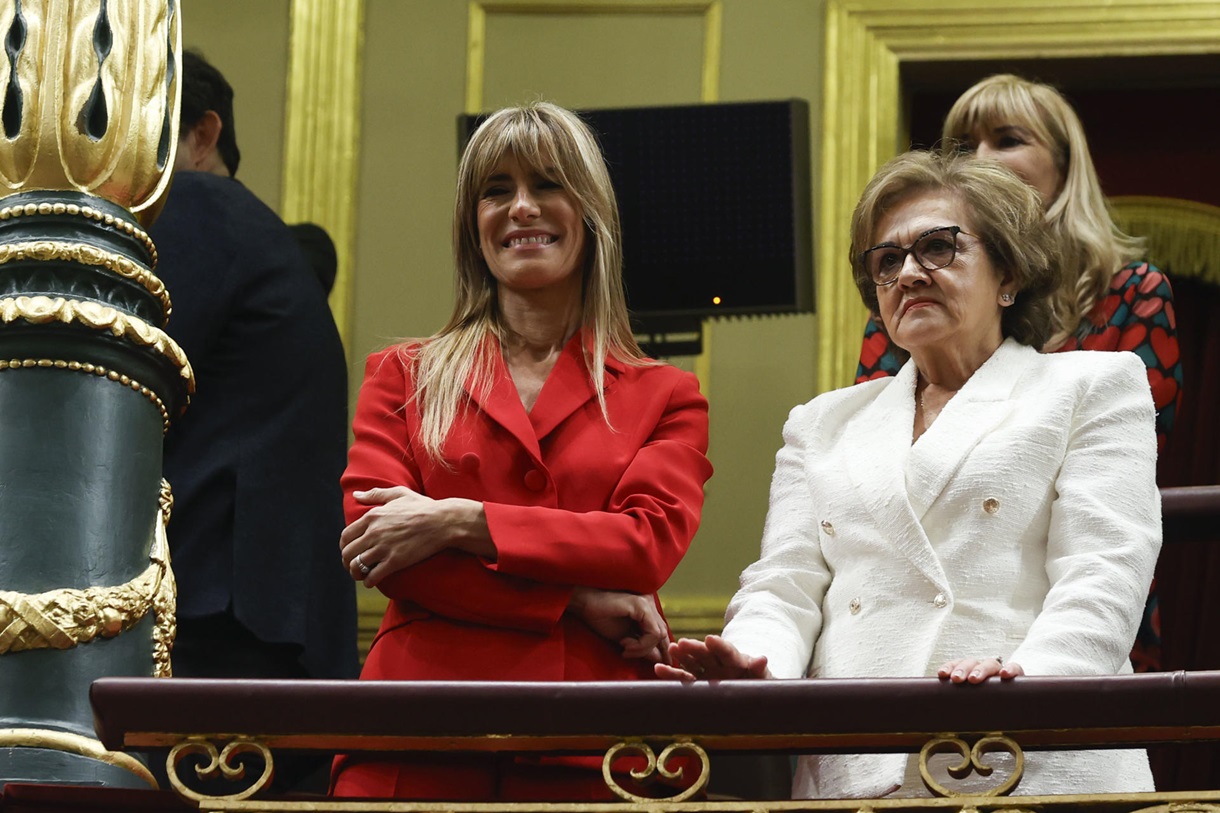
[
  {"x": 90, "y": 381},
  {"x": 88, "y": 104},
  {"x": 62, "y": 619}
]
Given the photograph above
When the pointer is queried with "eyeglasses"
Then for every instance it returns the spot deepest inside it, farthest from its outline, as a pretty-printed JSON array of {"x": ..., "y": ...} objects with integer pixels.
[{"x": 933, "y": 249}]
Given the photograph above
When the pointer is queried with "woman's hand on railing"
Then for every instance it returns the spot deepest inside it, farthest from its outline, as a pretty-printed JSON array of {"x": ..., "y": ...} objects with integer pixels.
[
  {"x": 711, "y": 659},
  {"x": 632, "y": 620},
  {"x": 977, "y": 670}
]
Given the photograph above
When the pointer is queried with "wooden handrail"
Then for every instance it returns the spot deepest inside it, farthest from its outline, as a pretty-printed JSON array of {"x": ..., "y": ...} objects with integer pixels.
[
  {"x": 808, "y": 716},
  {"x": 1191, "y": 514}
]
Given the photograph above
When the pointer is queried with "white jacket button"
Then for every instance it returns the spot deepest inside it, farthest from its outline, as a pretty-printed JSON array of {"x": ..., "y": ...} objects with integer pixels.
[
  {"x": 940, "y": 601},
  {"x": 854, "y": 606},
  {"x": 991, "y": 505},
  {"x": 828, "y": 528}
]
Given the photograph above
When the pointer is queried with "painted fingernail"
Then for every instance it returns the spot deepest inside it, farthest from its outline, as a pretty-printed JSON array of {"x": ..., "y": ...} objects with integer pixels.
[{"x": 976, "y": 673}]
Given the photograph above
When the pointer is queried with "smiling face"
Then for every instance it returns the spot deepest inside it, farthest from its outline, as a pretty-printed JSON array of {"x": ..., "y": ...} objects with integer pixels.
[
  {"x": 1017, "y": 148},
  {"x": 531, "y": 230},
  {"x": 955, "y": 309}
]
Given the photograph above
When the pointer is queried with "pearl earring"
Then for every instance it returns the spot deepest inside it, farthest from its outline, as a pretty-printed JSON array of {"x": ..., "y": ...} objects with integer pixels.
[{"x": 1006, "y": 298}]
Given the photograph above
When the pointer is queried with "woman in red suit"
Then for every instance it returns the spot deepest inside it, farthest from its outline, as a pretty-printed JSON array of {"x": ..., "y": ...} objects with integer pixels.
[{"x": 524, "y": 481}]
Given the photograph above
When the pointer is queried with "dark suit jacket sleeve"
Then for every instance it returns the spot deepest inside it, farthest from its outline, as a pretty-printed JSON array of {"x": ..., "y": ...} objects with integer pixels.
[{"x": 454, "y": 584}]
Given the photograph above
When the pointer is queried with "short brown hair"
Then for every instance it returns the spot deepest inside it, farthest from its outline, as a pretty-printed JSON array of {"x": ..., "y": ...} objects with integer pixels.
[{"x": 1005, "y": 214}]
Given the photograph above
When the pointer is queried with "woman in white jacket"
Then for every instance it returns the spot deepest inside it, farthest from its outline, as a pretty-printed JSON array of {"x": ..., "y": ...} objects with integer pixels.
[{"x": 989, "y": 511}]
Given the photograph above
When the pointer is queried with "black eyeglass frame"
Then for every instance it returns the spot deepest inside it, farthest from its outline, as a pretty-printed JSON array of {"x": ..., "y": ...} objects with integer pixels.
[{"x": 953, "y": 230}]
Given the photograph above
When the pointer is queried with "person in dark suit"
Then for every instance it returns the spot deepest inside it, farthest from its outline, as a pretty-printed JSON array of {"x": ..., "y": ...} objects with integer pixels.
[{"x": 255, "y": 460}]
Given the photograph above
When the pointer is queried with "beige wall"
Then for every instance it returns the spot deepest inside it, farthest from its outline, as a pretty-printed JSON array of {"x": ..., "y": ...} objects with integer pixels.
[
  {"x": 248, "y": 42},
  {"x": 415, "y": 85}
]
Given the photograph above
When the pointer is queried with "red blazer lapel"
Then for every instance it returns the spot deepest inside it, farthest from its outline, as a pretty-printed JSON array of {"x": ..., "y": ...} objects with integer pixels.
[
  {"x": 502, "y": 404},
  {"x": 567, "y": 388}
]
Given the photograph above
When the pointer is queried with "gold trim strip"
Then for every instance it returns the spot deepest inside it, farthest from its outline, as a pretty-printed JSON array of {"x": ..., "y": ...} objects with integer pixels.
[
  {"x": 85, "y": 254},
  {"x": 74, "y": 744},
  {"x": 41, "y": 310},
  {"x": 73, "y": 210},
  {"x": 322, "y": 131},
  {"x": 476, "y": 53},
  {"x": 865, "y": 42},
  {"x": 1165, "y": 802},
  {"x": 86, "y": 367},
  {"x": 713, "y": 23}
]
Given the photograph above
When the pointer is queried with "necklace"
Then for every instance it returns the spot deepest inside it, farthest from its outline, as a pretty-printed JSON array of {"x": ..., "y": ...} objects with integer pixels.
[{"x": 928, "y": 417}]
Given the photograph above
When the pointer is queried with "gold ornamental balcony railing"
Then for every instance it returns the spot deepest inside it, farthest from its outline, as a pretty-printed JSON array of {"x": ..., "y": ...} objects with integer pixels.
[{"x": 220, "y": 719}]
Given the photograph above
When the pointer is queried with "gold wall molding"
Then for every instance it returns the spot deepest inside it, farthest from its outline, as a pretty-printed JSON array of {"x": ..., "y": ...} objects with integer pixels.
[
  {"x": 66, "y": 618},
  {"x": 322, "y": 130},
  {"x": 867, "y": 41},
  {"x": 711, "y": 11},
  {"x": 73, "y": 744}
]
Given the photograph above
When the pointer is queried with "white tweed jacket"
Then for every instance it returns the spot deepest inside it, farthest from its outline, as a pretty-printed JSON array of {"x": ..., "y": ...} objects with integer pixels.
[{"x": 1024, "y": 522}]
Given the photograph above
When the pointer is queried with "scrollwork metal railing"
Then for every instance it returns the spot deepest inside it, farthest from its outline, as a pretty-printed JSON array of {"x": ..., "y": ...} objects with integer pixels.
[{"x": 661, "y": 721}]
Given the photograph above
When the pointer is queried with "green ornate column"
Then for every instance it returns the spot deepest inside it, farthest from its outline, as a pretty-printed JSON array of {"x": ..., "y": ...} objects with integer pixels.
[{"x": 88, "y": 378}]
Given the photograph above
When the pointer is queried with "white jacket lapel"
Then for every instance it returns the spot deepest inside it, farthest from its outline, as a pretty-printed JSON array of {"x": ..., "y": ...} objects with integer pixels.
[
  {"x": 877, "y": 441},
  {"x": 970, "y": 415}
]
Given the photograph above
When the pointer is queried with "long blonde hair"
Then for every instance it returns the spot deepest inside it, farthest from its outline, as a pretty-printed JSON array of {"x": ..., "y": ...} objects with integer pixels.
[
  {"x": 558, "y": 144},
  {"x": 1093, "y": 247}
]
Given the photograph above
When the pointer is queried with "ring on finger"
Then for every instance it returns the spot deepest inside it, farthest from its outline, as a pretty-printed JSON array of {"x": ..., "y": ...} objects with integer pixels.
[
  {"x": 998, "y": 659},
  {"x": 364, "y": 569}
]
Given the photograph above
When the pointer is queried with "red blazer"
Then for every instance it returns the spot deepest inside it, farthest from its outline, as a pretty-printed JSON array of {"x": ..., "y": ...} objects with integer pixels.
[{"x": 569, "y": 501}]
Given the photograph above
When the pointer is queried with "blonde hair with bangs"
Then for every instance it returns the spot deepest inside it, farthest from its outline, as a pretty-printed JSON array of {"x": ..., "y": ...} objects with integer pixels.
[
  {"x": 557, "y": 144},
  {"x": 1092, "y": 246}
]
